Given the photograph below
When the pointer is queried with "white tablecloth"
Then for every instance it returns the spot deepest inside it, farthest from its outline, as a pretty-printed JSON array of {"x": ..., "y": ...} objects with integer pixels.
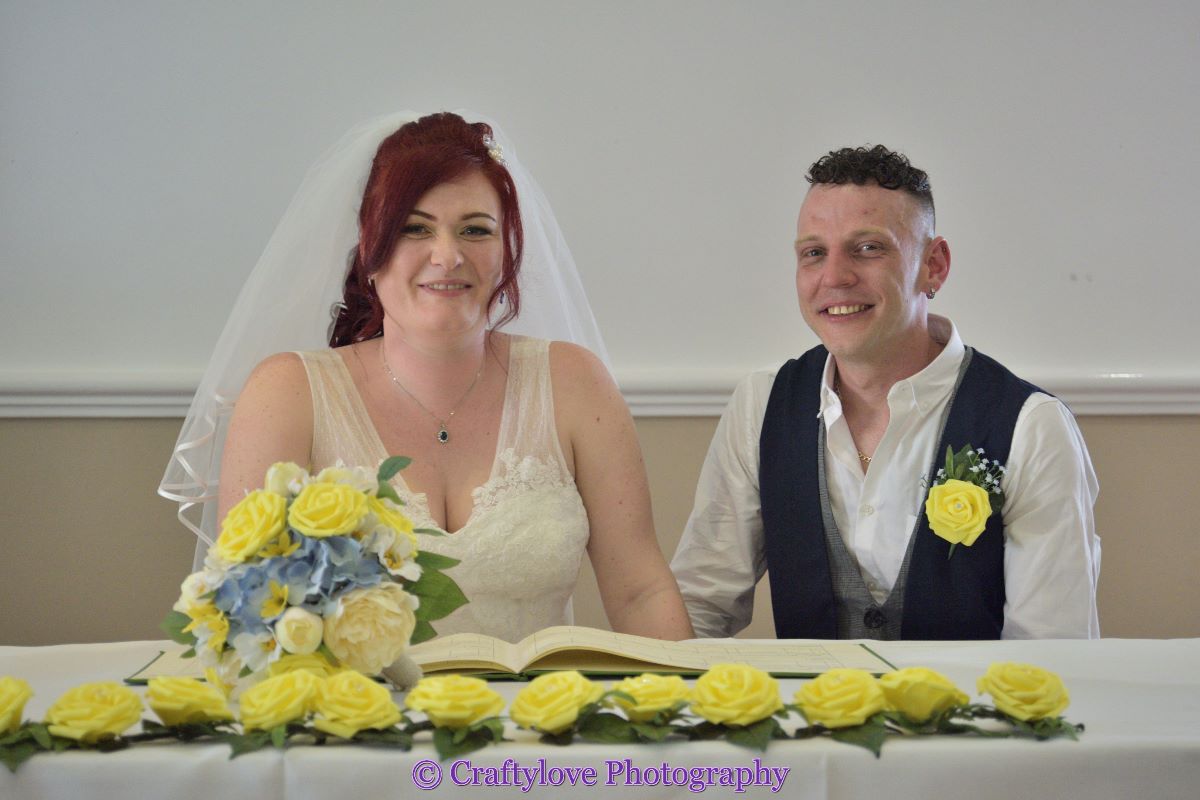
[{"x": 1140, "y": 701}]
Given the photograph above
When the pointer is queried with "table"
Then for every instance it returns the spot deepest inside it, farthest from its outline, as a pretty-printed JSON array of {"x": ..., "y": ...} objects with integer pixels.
[{"x": 1140, "y": 701}]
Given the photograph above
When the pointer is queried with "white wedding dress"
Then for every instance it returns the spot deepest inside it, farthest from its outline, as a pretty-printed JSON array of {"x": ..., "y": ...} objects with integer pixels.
[{"x": 522, "y": 545}]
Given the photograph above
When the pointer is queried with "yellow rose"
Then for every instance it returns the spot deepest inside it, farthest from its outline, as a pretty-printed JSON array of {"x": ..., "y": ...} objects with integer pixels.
[
  {"x": 299, "y": 631},
  {"x": 1025, "y": 692},
  {"x": 178, "y": 701},
  {"x": 735, "y": 694},
  {"x": 919, "y": 693},
  {"x": 279, "y": 700},
  {"x": 350, "y": 701},
  {"x": 454, "y": 701},
  {"x": 327, "y": 509},
  {"x": 14, "y": 693},
  {"x": 250, "y": 525},
  {"x": 315, "y": 663},
  {"x": 282, "y": 475},
  {"x": 551, "y": 703},
  {"x": 957, "y": 511},
  {"x": 840, "y": 698},
  {"x": 370, "y": 628},
  {"x": 94, "y": 710},
  {"x": 651, "y": 694}
]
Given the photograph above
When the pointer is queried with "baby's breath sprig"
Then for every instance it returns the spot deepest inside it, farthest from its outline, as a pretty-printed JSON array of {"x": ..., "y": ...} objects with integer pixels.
[{"x": 970, "y": 464}]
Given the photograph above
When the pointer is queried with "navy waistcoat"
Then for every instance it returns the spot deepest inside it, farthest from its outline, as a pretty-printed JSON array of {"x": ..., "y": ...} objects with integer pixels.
[{"x": 959, "y": 598}]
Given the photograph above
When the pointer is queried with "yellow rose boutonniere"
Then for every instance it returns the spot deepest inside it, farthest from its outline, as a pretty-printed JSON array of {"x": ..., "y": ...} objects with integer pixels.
[
  {"x": 919, "y": 693},
  {"x": 1025, "y": 692},
  {"x": 350, "y": 702},
  {"x": 94, "y": 711},
  {"x": 179, "y": 701},
  {"x": 14, "y": 694},
  {"x": 964, "y": 494},
  {"x": 840, "y": 698},
  {"x": 551, "y": 703}
]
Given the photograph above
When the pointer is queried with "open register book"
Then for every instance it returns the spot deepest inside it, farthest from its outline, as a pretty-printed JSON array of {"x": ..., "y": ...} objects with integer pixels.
[{"x": 595, "y": 651}]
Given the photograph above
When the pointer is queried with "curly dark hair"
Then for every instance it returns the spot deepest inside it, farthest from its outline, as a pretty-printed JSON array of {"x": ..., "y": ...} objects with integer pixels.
[{"x": 878, "y": 165}]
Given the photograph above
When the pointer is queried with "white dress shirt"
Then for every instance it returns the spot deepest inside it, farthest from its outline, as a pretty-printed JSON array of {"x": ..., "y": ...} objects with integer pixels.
[{"x": 1051, "y": 552}]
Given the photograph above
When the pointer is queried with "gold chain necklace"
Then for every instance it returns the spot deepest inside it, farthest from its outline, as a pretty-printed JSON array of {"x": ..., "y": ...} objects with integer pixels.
[
  {"x": 443, "y": 435},
  {"x": 837, "y": 384}
]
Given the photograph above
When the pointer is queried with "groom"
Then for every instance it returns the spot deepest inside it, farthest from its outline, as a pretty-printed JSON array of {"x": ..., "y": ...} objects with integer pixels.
[{"x": 819, "y": 471}]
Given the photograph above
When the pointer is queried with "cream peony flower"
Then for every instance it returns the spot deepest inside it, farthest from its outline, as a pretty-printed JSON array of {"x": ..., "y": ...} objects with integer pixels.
[{"x": 370, "y": 628}]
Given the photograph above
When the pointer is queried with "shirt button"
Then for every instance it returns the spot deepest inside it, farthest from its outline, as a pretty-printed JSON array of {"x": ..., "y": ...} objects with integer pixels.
[{"x": 867, "y": 511}]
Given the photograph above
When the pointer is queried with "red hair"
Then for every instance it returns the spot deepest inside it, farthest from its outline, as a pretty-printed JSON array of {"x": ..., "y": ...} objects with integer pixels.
[{"x": 420, "y": 155}]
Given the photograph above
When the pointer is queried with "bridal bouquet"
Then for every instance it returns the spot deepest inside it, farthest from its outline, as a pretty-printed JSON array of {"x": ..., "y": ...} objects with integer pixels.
[{"x": 321, "y": 569}]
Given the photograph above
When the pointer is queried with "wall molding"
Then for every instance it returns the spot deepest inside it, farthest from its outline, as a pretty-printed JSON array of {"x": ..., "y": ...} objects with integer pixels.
[{"x": 650, "y": 393}]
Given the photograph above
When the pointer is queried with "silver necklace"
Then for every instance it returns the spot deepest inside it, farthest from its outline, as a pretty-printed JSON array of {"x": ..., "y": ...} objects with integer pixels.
[{"x": 443, "y": 435}]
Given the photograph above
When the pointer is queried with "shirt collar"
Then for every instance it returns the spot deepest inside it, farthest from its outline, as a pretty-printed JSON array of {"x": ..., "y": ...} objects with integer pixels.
[{"x": 928, "y": 387}]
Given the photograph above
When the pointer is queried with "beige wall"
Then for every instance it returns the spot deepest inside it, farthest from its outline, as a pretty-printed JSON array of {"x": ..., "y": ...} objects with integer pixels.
[{"x": 88, "y": 552}]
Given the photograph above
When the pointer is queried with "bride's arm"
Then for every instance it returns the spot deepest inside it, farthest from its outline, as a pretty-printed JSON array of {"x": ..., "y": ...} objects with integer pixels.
[
  {"x": 638, "y": 590},
  {"x": 271, "y": 422}
]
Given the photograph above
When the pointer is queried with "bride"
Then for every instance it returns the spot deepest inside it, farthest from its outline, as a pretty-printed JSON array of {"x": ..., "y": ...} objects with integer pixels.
[{"x": 523, "y": 451}]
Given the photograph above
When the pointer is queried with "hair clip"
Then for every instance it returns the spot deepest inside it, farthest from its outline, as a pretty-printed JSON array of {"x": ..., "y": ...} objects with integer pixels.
[{"x": 494, "y": 150}]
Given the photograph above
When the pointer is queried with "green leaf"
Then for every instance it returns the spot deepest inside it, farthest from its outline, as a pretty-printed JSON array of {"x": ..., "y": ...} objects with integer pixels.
[
  {"x": 279, "y": 736},
  {"x": 439, "y": 594},
  {"x": 652, "y": 733},
  {"x": 452, "y": 744},
  {"x": 949, "y": 461},
  {"x": 15, "y": 755},
  {"x": 388, "y": 492},
  {"x": 173, "y": 625},
  {"x": 189, "y": 653},
  {"x": 41, "y": 735},
  {"x": 422, "y": 632},
  {"x": 871, "y": 734},
  {"x": 391, "y": 466},
  {"x": 756, "y": 736},
  {"x": 494, "y": 727},
  {"x": 240, "y": 744},
  {"x": 607, "y": 729},
  {"x": 434, "y": 561},
  {"x": 429, "y": 531}
]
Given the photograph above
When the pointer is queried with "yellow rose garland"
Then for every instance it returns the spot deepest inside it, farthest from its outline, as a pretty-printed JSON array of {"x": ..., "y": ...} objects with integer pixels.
[
  {"x": 652, "y": 694},
  {"x": 14, "y": 694},
  {"x": 735, "y": 694},
  {"x": 350, "y": 702},
  {"x": 178, "y": 701},
  {"x": 551, "y": 703},
  {"x": 1025, "y": 692},
  {"x": 454, "y": 701},
  {"x": 94, "y": 710},
  {"x": 840, "y": 698},
  {"x": 279, "y": 700},
  {"x": 919, "y": 693}
]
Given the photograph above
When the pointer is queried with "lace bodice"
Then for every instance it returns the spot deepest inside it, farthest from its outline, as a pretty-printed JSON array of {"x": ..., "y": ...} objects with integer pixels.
[{"x": 522, "y": 544}]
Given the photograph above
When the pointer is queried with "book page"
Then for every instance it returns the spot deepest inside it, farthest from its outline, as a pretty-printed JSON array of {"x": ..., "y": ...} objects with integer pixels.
[
  {"x": 169, "y": 664},
  {"x": 567, "y": 647},
  {"x": 467, "y": 651}
]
